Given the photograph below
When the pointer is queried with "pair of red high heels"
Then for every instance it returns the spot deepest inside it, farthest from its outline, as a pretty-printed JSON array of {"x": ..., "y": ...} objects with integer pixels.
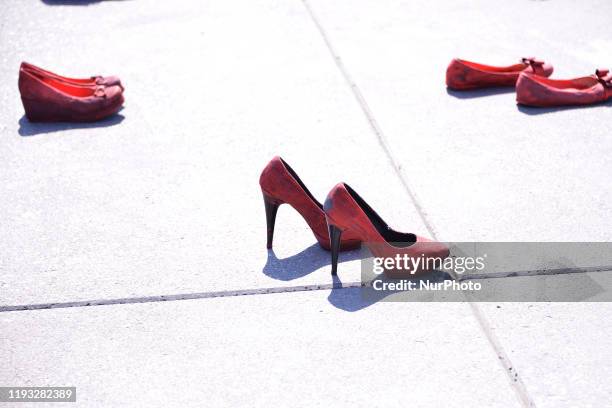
[
  {"x": 533, "y": 87},
  {"x": 344, "y": 222},
  {"x": 49, "y": 97}
]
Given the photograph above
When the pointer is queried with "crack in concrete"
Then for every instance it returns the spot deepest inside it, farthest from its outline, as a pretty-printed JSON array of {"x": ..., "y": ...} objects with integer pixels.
[{"x": 515, "y": 380}]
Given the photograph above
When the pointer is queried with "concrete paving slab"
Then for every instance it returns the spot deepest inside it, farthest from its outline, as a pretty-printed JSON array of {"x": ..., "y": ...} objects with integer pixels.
[
  {"x": 481, "y": 167},
  {"x": 164, "y": 198},
  {"x": 291, "y": 349},
  {"x": 561, "y": 350}
]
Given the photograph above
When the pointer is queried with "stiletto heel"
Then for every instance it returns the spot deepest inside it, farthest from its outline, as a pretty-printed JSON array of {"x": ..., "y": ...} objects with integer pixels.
[
  {"x": 350, "y": 212},
  {"x": 271, "y": 209},
  {"x": 334, "y": 237},
  {"x": 280, "y": 184}
]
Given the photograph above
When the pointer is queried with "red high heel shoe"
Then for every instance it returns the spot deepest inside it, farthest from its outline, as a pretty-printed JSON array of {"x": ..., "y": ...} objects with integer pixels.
[
  {"x": 462, "y": 75},
  {"x": 280, "y": 185},
  {"x": 48, "y": 100},
  {"x": 93, "y": 81},
  {"x": 533, "y": 90},
  {"x": 345, "y": 209}
]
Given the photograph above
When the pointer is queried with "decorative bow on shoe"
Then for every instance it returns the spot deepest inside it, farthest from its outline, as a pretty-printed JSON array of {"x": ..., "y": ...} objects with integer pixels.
[
  {"x": 605, "y": 77},
  {"x": 533, "y": 61},
  {"x": 100, "y": 92}
]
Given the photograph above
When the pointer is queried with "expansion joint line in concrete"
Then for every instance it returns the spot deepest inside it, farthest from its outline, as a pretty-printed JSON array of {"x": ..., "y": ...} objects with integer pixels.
[
  {"x": 246, "y": 292},
  {"x": 181, "y": 296},
  {"x": 371, "y": 120},
  {"x": 515, "y": 380}
]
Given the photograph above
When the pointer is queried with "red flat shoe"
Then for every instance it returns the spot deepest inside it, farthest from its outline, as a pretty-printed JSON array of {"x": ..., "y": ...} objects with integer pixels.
[
  {"x": 462, "y": 75},
  {"x": 534, "y": 90},
  {"x": 93, "y": 81},
  {"x": 48, "y": 100},
  {"x": 280, "y": 185},
  {"x": 345, "y": 209}
]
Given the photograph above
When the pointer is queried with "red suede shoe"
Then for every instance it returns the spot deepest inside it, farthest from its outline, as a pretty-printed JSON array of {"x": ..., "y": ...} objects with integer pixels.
[
  {"x": 345, "y": 209},
  {"x": 49, "y": 100},
  {"x": 93, "y": 81},
  {"x": 534, "y": 90},
  {"x": 280, "y": 185},
  {"x": 462, "y": 75}
]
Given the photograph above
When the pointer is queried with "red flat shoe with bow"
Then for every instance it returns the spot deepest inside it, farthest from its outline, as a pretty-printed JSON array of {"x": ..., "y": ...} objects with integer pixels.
[
  {"x": 346, "y": 210},
  {"x": 49, "y": 100},
  {"x": 533, "y": 90},
  {"x": 280, "y": 185},
  {"x": 464, "y": 75},
  {"x": 93, "y": 81}
]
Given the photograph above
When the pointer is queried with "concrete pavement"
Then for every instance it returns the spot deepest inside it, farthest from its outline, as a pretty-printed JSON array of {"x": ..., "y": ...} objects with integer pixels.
[{"x": 163, "y": 200}]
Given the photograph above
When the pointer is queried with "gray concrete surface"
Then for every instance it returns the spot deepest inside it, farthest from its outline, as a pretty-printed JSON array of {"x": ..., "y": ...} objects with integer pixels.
[
  {"x": 163, "y": 199},
  {"x": 168, "y": 200},
  {"x": 481, "y": 167},
  {"x": 291, "y": 349},
  {"x": 559, "y": 349}
]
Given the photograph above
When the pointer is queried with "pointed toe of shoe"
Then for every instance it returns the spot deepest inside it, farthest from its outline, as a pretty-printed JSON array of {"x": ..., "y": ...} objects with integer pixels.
[
  {"x": 440, "y": 250},
  {"x": 434, "y": 249}
]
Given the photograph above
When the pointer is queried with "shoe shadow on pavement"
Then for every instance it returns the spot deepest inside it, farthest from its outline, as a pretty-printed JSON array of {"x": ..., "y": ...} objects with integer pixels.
[
  {"x": 27, "y": 128},
  {"x": 350, "y": 299},
  {"x": 353, "y": 299},
  {"x": 351, "y": 296},
  {"x": 303, "y": 263},
  {"x": 530, "y": 110},
  {"x": 479, "y": 93}
]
